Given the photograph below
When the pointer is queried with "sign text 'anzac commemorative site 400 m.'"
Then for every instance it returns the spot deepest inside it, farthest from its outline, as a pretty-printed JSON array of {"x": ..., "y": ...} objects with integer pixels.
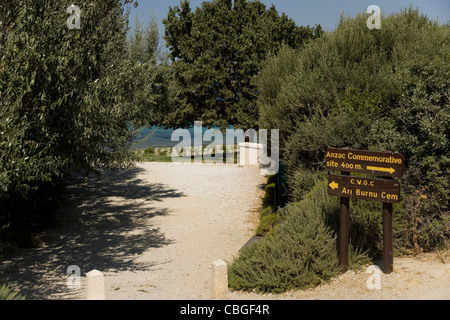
[{"x": 366, "y": 162}]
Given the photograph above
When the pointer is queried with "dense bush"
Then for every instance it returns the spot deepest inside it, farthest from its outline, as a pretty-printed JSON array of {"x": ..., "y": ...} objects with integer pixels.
[
  {"x": 268, "y": 221},
  {"x": 301, "y": 252},
  {"x": 67, "y": 100},
  {"x": 365, "y": 89},
  {"x": 215, "y": 50},
  {"x": 376, "y": 90}
]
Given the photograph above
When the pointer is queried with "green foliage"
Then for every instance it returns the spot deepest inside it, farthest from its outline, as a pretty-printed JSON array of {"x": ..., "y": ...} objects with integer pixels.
[
  {"x": 268, "y": 217},
  {"x": 422, "y": 124},
  {"x": 301, "y": 251},
  {"x": 267, "y": 223},
  {"x": 376, "y": 90},
  {"x": 66, "y": 100},
  {"x": 216, "y": 51},
  {"x": 266, "y": 211},
  {"x": 302, "y": 181},
  {"x": 7, "y": 294},
  {"x": 269, "y": 195},
  {"x": 151, "y": 74},
  {"x": 357, "y": 258},
  {"x": 271, "y": 179}
]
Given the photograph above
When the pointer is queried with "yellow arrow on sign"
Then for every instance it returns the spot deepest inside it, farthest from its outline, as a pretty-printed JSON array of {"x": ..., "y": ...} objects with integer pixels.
[
  {"x": 390, "y": 170},
  {"x": 334, "y": 185}
]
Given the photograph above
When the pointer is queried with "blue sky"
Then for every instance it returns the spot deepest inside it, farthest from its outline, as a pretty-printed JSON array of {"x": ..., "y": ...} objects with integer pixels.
[{"x": 323, "y": 12}]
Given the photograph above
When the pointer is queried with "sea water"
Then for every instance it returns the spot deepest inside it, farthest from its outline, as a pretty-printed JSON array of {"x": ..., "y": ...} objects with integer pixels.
[{"x": 155, "y": 137}]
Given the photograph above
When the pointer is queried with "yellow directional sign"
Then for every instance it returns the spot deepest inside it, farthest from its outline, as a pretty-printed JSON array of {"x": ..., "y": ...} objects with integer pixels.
[
  {"x": 334, "y": 185},
  {"x": 387, "y": 191},
  {"x": 379, "y": 169},
  {"x": 348, "y": 187},
  {"x": 366, "y": 162}
]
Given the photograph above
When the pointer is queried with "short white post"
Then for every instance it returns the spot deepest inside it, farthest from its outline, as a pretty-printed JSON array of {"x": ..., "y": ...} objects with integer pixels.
[
  {"x": 250, "y": 154},
  {"x": 95, "y": 284},
  {"x": 219, "y": 281},
  {"x": 198, "y": 151}
]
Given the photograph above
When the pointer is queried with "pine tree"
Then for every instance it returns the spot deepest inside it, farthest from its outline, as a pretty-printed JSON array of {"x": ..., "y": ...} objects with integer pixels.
[
  {"x": 151, "y": 74},
  {"x": 215, "y": 52}
]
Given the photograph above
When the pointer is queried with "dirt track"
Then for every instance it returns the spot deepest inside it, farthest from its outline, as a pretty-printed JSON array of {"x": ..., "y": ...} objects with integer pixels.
[{"x": 154, "y": 232}]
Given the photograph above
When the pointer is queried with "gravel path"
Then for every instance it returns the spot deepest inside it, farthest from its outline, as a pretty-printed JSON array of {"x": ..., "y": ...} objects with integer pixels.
[{"x": 154, "y": 232}]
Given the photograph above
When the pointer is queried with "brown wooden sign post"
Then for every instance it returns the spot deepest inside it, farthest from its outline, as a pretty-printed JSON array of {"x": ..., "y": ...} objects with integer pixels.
[
  {"x": 344, "y": 231},
  {"x": 348, "y": 187}
]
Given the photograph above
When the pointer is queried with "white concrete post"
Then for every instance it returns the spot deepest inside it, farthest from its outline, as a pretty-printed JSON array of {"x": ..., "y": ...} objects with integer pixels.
[
  {"x": 95, "y": 284},
  {"x": 219, "y": 150},
  {"x": 219, "y": 281},
  {"x": 250, "y": 154},
  {"x": 198, "y": 151}
]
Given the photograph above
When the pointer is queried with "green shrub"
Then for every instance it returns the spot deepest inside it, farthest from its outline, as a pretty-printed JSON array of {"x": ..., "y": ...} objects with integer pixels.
[
  {"x": 302, "y": 181},
  {"x": 271, "y": 179},
  {"x": 300, "y": 252},
  {"x": 268, "y": 217},
  {"x": 269, "y": 195},
  {"x": 357, "y": 258},
  {"x": 64, "y": 107},
  {"x": 366, "y": 227},
  {"x": 149, "y": 151},
  {"x": 7, "y": 294},
  {"x": 267, "y": 223},
  {"x": 267, "y": 211},
  {"x": 154, "y": 158},
  {"x": 376, "y": 90}
]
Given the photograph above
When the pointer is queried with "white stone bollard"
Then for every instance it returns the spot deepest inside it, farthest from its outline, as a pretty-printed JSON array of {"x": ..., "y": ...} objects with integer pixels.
[
  {"x": 250, "y": 154},
  {"x": 198, "y": 151},
  {"x": 95, "y": 284},
  {"x": 219, "y": 281}
]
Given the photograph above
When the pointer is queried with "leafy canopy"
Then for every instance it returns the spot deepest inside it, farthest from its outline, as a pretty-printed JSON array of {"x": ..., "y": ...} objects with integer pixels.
[
  {"x": 66, "y": 96},
  {"x": 216, "y": 51}
]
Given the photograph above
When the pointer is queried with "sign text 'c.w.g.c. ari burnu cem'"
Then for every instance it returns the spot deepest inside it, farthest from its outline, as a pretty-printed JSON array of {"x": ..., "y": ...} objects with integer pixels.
[{"x": 387, "y": 191}]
